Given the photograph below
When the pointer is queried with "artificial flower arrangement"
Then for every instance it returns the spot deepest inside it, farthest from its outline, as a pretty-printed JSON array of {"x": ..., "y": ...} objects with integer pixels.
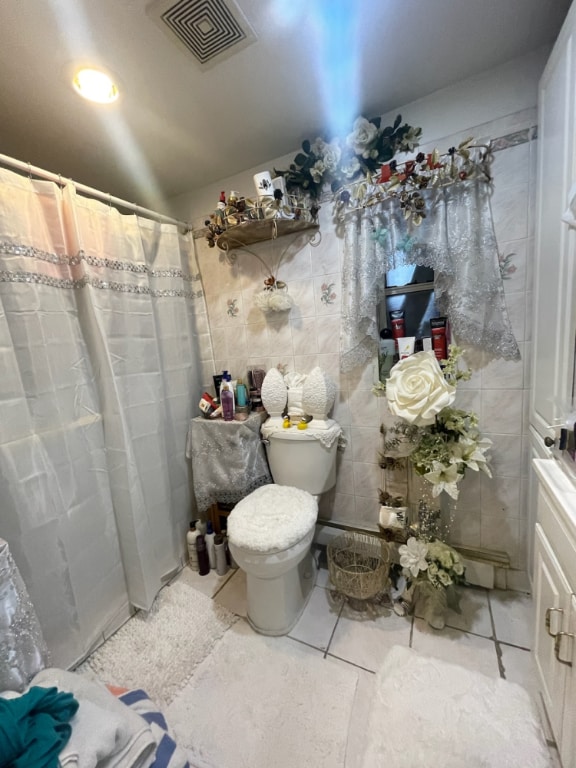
[
  {"x": 440, "y": 442},
  {"x": 429, "y": 571},
  {"x": 359, "y": 156}
]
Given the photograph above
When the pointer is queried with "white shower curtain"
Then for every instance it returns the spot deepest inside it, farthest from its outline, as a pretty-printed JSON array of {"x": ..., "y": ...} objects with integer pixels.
[{"x": 97, "y": 375}]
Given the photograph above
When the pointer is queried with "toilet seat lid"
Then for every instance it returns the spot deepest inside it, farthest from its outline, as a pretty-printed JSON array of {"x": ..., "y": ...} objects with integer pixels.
[{"x": 273, "y": 517}]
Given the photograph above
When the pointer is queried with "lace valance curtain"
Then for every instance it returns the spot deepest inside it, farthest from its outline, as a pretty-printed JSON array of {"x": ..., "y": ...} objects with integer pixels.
[{"x": 457, "y": 240}]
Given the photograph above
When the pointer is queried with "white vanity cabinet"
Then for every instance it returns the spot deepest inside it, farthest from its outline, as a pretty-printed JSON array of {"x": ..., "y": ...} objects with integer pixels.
[{"x": 554, "y": 591}]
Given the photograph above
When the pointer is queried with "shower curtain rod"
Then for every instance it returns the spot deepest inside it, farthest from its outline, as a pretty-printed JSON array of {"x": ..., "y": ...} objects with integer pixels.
[{"x": 33, "y": 170}]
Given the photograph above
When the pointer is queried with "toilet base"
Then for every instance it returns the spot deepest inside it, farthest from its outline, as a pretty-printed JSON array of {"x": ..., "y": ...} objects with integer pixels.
[{"x": 275, "y": 605}]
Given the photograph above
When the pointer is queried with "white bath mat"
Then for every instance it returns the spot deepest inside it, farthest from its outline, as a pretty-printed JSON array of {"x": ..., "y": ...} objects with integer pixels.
[
  {"x": 265, "y": 702},
  {"x": 160, "y": 650},
  {"x": 428, "y": 712}
]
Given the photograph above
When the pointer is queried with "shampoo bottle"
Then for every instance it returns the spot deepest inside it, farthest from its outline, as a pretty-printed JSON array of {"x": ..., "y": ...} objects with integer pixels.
[
  {"x": 191, "y": 537},
  {"x": 203, "y": 560},
  {"x": 220, "y": 554},
  {"x": 227, "y": 400},
  {"x": 241, "y": 398},
  {"x": 210, "y": 544}
]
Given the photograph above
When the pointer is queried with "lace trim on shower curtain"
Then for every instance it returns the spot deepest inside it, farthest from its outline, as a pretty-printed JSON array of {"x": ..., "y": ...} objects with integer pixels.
[
  {"x": 44, "y": 258},
  {"x": 457, "y": 240}
]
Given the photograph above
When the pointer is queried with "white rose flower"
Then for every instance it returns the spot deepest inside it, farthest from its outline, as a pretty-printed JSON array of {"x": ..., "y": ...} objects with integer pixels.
[
  {"x": 332, "y": 154},
  {"x": 413, "y": 556},
  {"x": 351, "y": 167},
  {"x": 318, "y": 170},
  {"x": 363, "y": 134},
  {"x": 417, "y": 390}
]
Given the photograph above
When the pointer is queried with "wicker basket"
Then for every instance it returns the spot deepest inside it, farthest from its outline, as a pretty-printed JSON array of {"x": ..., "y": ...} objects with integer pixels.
[{"x": 358, "y": 565}]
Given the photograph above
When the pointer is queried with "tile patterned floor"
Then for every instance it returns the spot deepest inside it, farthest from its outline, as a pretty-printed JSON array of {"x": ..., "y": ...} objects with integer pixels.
[{"x": 491, "y": 634}]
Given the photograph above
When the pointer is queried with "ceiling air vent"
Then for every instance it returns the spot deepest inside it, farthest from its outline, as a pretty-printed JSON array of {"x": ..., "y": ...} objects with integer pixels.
[{"x": 211, "y": 30}]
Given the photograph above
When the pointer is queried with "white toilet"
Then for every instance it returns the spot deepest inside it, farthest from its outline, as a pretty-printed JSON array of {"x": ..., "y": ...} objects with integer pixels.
[{"x": 270, "y": 531}]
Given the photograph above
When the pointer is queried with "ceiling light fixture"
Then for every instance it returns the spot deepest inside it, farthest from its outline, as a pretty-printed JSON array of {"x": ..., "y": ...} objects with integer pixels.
[{"x": 95, "y": 85}]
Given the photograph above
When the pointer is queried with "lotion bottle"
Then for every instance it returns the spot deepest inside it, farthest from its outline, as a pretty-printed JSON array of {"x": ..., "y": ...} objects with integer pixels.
[
  {"x": 227, "y": 401},
  {"x": 210, "y": 544},
  {"x": 191, "y": 537}
]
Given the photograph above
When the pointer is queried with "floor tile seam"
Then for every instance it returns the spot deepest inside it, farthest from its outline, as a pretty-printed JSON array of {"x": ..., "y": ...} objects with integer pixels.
[
  {"x": 350, "y": 663},
  {"x": 228, "y": 580},
  {"x": 334, "y": 628},
  {"x": 508, "y": 644},
  {"x": 467, "y": 631},
  {"x": 304, "y": 642},
  {"x": 495, "y": 640}
]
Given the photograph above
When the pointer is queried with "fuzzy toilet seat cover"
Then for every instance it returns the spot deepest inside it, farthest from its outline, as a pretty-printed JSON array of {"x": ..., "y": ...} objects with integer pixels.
[{"x": 273, "y": 517}]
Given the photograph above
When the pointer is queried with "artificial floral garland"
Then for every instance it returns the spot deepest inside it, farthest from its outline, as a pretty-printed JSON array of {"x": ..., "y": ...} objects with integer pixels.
[{"x": 341, "y": 162}]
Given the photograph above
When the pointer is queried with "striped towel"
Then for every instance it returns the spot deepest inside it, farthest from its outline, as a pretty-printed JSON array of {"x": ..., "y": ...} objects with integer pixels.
[{"x": 168, "y": 753}]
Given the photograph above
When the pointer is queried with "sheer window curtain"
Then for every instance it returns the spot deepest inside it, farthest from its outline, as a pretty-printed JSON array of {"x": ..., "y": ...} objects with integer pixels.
[
  {"x": 457, "y": 240},
  {"x": 99, "y": 366}
]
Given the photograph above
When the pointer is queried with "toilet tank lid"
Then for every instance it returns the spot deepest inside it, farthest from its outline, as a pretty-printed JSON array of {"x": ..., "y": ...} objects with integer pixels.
[
  {"x": 272, "y": 517},
  {"x": 326, "y": 436}
]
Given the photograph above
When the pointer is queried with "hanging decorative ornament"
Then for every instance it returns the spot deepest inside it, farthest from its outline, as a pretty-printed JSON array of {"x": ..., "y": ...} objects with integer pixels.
[{"x": 274, "y": 297}]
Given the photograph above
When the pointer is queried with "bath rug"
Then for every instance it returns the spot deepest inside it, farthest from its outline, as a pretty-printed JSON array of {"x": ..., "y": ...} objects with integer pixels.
[
  {"x": 159, "y": 650},
  {"x": 259, "y": 701},
  {"x": 429, "y": 712}
]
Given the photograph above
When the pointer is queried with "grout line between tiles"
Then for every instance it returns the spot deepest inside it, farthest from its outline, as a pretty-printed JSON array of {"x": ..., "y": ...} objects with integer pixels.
[
  {"x": 351, "y": 663},
  {"x": 334, "y": 629},
  {"x": 233, "y": 572},
  {"x": 497, "y": 648}
]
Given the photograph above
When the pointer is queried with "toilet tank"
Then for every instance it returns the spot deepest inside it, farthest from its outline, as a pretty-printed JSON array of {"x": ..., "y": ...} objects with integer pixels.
[{"x": 299, "y": 459}]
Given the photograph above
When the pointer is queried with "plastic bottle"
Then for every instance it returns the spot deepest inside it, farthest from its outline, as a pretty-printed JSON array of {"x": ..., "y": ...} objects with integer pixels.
[
  {"x": 203, "y": 560},
  {"x": 240, "y": 393},
  {"x": 210, "y": 544},
  {"x": 227, "y": 400},
  {"x": 191, "y": 537},
  {"x": 220, "y": 554}
]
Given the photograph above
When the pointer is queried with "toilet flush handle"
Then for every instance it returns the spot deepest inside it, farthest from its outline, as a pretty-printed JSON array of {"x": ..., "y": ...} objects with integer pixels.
[{"x": 264, "y": 441}]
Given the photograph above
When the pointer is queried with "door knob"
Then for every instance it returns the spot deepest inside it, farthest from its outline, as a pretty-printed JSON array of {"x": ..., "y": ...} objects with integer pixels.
[{"x": 549, "y": 442}]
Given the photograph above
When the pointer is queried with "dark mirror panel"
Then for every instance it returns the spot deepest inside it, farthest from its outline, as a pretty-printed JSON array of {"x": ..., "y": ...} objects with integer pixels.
[
  {"x": 418, "y": 309},
  {"x": 409, "y": 274}
]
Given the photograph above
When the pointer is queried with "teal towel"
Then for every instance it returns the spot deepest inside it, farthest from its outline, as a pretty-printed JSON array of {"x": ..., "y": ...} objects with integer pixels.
[{"x": 34, "y": 728}]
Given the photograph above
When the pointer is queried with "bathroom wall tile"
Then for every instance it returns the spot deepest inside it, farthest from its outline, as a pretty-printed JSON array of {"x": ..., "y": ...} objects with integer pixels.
[
  {"x": 219, "y": 336},
  {"x": 236, "y": 342},
  {"x": 207, "y": 370},
  {"x": 367, "y": 512},
  {"x": 516, "y": 306},
  {"x": 504, "y": 374},
  {"x": 302, "y": 291},
  {"x": 469, "y": 400},
  {"x": 325, "y": 256},
  {"x": 529, "y": 316},
  {"x": 364, "y": 409},
  {"x": 215, "y": 316},
  {"x": 280, "y": 333},
  {"x": 501, "y": 496},
  {"x": 513, "y": 261},
  {"x": 513, "y": 615},
  {"x": 366, "y": 444},
  {"x": 510, "y": 212},
  {"x": 452, "y": 645},
  {"x": 330, "y": 364},
  {"x": 511, "y": 166},
  {"x": 257, "y": 340},
  {"x": 341, "y": 410},
  {"x": 328, "y": 294},
  {"x": 527, "y": 361},
  {"x": 367, "y": 479},
  {"x": 470, "y": 485},
  {"x": 328, "y": 333},
  {"x": 304, "y": 340},
  {"x": 501, "y": 411},
  {"x": 363, "y": 377},
  {"x": 465, "y": 528},
  {"x": 506, "y": 454},
  {"x": 344, "y": 475},
  {"x": 305, "y": 363},
  {"x": 232, "y": 309},
  {"x": 205, "y": 347},
  {"x": 295, "y": 264},
  {"x": 518, "y": 580},
  {"x": 475, "y": 380},
  {"x": 344, "y": 509},
  {"x": 501, "y": 534}
]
